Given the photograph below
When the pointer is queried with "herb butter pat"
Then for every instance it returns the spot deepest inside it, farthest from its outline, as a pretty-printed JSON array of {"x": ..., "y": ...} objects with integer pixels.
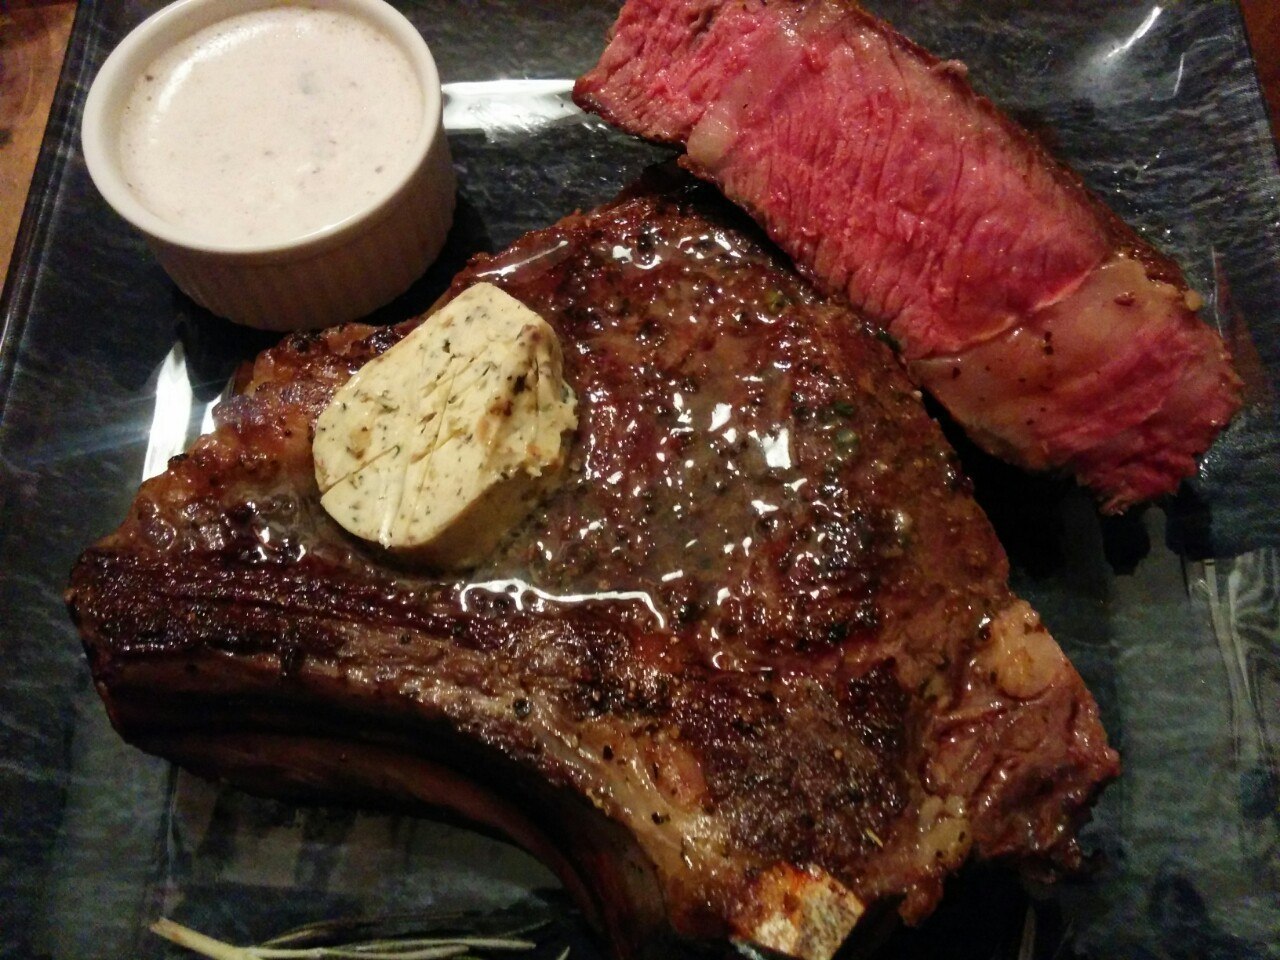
[{"x": 442, "y": 444}]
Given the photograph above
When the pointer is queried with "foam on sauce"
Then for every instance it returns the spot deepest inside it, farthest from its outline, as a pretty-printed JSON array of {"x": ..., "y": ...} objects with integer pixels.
[{"x": 271, "y": 125}]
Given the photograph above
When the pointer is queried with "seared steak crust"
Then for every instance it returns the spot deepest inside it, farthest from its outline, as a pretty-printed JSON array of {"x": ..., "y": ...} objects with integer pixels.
[
  {"x": 762, "y": 633},
  {"x": 1046, "y": 326}
]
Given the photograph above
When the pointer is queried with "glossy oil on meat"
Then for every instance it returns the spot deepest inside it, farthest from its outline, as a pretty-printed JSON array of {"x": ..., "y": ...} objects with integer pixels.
[
  {"x": 1054, "y": 334},
  {"x": 753, "y": 671}
]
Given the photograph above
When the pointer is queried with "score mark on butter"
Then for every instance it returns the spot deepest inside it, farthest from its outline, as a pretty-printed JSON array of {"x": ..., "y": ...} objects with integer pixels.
[{"x": 438, "y": 447}]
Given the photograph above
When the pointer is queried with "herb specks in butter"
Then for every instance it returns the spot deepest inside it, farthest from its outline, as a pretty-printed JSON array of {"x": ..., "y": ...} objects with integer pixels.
[{"x": 469, "y": 408}]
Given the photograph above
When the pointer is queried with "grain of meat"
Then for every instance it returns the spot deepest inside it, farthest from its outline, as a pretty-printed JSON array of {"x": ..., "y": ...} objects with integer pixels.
[{"x": 1054, "y": 334}]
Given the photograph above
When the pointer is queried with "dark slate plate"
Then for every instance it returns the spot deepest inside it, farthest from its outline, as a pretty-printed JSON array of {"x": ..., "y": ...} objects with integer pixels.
[{"x": 1172, "y": 613}]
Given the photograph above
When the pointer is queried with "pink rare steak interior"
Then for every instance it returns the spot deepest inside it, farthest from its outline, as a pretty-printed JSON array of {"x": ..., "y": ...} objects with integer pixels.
[{"x": 1053, "y": 333}]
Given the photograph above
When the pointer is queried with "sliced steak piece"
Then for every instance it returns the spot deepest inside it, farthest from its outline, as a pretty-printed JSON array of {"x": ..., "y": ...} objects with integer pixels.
[
  {"x": 753, "y": 670},
  {"x": 1047, "y": 327}
]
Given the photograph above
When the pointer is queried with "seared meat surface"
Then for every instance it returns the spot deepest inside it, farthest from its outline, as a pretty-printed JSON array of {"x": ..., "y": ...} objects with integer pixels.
[
  {"x": 1047, "y": 327},
  {"x": 751, "y": 671}
]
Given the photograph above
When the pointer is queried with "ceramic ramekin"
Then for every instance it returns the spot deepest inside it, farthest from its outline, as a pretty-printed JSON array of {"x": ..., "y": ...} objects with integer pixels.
[{"x": 331, "y": 275}]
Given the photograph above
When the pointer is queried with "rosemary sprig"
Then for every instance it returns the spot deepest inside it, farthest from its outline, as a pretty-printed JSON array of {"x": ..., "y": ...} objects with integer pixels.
[{"x": 288, "y": 946}]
